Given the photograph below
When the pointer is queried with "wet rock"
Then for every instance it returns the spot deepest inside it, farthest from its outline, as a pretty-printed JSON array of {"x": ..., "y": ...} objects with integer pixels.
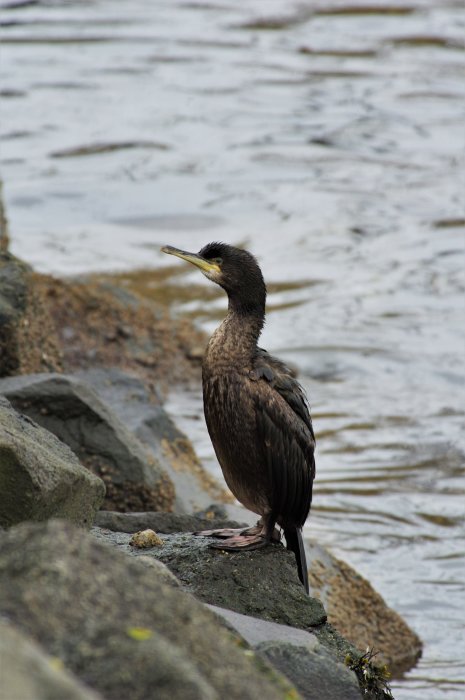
[
  {"x": 262, "y": 583},
  {"x": 166, "y": 523},
  {"x": 195, "y": 487},
  {"x": 40, "y": 477},
  {"x": 28, "y": 341},
  {"x": 359, "y": 613},
  {"x": 73, "y": 412},
  {"x": 298, "y": 655},
  {"x": 27, "y": 672},
  {"x": 123, "y": 630}
]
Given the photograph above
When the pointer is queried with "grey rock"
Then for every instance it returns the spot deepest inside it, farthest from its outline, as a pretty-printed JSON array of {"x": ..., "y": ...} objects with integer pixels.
[
  {"x": 40, "y": 477},
  {"x": 262, "y": 583},
  {"x": 153, "y": 667},
  {"x": 252, "y": 592},
  {"x": 28, "y": 673},
  {"x": 73, "y": 412},
  {"x": 298, "y": 655},
  {"x": 315, "y": 674},
  {"x": 159, "y": 569},
  {"x": 13, "y": 292},
  {"x": 160, "y": 522},
  {"x": 116, "y": 624},
  {"x": 256, "y": 631},
  {"x": 147, "y": 419}
]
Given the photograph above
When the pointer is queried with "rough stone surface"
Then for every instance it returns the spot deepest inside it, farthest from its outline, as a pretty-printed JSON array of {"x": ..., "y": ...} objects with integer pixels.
[
  {"x": 28, "y": 342},
  {"x": 262, "y": 583},
  {"x": 355, "y": 604},
  {"x": 28, "y": 673},
  {"x": 73, "y": 412},
  {"x": 166, "y": 523},
  {"x": 256, "y": 631},
  {"x": 298, "y": 655},
  {"x": 103, "y": 322},
  {"x": 147, "y": 419},
  {"x": 159, "y": 570},
  {"x": 315, "y": 674},
  {"x": 150, "y": 667},
  {"x": 115, "y": 624},
  {"x": 39, "y": 475},
  {"x": 359, "y": 613}
]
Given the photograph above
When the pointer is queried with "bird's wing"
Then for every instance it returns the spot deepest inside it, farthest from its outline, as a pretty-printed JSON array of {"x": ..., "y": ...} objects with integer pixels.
[
  {"x": 280, "y": 377},
  {"x": 286, "y": 438}
]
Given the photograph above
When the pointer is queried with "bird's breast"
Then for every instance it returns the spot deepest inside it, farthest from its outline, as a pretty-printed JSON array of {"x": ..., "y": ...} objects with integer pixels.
[{"x": 231, "y": 422}]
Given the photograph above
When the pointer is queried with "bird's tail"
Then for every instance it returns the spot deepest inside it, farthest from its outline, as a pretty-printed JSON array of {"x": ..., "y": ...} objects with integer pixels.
[{"x": 295, "y": 543}]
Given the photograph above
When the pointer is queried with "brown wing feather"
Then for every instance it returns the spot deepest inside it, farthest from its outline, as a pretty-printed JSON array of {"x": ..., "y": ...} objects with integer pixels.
[
  {"x": 280, "y": 377},
  {"x": 288, "y": 452}
]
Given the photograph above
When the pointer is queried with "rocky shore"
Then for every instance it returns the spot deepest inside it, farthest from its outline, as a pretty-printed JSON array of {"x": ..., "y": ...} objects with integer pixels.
[{"x": 105, "y": 591}]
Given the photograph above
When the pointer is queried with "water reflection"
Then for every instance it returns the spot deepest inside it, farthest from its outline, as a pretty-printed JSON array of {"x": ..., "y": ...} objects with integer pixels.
[{"x": 328, "y": 138}]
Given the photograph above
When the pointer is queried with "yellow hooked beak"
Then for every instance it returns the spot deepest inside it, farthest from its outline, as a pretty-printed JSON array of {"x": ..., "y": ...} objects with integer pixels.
[{"x": 204, "y": 265}]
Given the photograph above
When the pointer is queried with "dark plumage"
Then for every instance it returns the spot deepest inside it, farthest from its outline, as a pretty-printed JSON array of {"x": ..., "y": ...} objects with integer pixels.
[{"x": 256, "y": 412}]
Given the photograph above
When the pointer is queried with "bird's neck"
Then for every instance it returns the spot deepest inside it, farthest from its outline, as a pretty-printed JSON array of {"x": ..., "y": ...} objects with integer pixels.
[{"x": 233, "y": 345}]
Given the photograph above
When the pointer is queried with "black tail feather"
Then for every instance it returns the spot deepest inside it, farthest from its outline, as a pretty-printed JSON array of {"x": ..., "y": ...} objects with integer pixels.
[{"x": 295, "y": 543}]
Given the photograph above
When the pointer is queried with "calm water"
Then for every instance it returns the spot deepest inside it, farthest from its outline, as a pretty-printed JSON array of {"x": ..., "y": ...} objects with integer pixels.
[{"x": 329, "y": 141}]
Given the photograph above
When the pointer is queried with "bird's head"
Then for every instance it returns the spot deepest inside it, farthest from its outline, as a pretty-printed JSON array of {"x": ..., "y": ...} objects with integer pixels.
[{"x": 235, "y": 270}]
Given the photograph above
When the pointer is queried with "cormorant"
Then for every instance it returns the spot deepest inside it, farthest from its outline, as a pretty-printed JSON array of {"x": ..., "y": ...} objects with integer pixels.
[{"x": 256, "y": 412}]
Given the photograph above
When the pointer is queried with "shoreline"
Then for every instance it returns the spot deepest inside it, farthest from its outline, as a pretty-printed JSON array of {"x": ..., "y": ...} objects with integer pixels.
[{"x": 91, "y": 325}]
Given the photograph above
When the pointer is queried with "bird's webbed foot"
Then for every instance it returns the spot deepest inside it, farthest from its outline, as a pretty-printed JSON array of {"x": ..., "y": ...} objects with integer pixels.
[
  {"x": 224, "y": 533},
  {"x": 241, "y": 543},
  {"x": 231, "y": 532},
  {"x": 242, "y": 539}
]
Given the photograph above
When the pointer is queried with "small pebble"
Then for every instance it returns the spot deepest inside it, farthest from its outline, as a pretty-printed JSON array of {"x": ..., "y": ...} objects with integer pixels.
[{"x": 145, "y": 538}]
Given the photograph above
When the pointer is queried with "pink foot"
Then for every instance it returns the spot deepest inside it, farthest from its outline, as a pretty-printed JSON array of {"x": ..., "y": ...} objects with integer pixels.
[
  {"x": 242, "y": 542},
  {"x": 227, "y": 532},
  {"x": 243, "y": 539}
]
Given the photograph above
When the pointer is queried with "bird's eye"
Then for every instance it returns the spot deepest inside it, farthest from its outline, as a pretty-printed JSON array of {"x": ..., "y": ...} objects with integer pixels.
[{"x": 217, "y": 261}]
